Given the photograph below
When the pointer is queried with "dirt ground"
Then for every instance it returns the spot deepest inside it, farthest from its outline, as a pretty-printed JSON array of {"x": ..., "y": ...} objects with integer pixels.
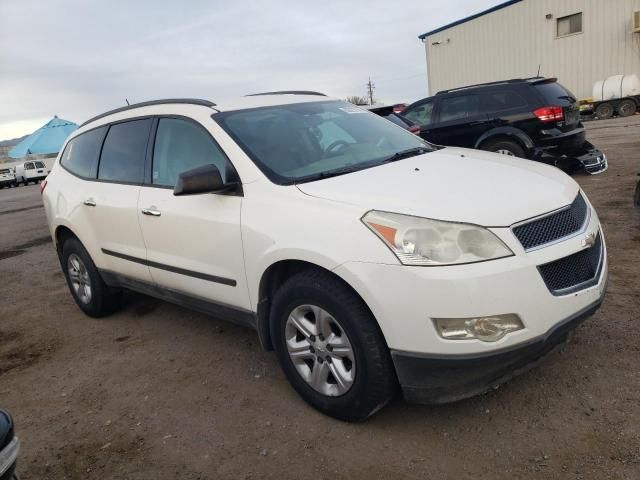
[{"x": 160, "y": 392}]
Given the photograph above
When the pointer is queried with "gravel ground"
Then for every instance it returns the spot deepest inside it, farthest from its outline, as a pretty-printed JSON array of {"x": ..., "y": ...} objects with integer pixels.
[{"x": 159, "y": 392}]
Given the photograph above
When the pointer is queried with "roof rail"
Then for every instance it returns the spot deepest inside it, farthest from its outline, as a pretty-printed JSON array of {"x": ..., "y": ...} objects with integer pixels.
[
  {"x": 288, "y": 92},
  {"x": 191, "y": 101},
  {"x": 499, "y": 82}
]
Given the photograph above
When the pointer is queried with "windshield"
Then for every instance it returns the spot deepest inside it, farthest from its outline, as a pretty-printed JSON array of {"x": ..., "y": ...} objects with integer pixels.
[{"x": 308, "y": 141}]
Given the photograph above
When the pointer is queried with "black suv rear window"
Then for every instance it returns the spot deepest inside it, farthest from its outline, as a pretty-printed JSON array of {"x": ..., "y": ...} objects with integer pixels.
[
  {"x": 80, "y": 155},
  {"x": 504, "y": 100},
  {"x": 553, "y": 92},
  {"x": 123, "y": 152}
]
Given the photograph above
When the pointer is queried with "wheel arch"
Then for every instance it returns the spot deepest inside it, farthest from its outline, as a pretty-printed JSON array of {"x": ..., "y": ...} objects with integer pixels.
[
  {"x": 272, "y": 278},
  {"x": 508, "y": 133},
  {"x": 60, "y": 234}
]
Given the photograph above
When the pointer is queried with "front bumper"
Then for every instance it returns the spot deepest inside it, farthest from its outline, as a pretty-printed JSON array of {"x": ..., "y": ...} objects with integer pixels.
[
  {"x": 435, "y": 380},
  {"x": 404, "y": 300},
  {"x": 587, "y": 157}
]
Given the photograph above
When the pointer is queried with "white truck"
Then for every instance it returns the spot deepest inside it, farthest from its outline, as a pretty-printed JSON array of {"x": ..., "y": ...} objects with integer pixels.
[
  {"x": 618, "y": 94},
  {"x": 7, "y": 178},
  {"x": 31, "y": 171}
]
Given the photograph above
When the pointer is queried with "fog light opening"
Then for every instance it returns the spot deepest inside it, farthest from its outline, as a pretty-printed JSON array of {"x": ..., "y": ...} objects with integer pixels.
[{"x": 485, "y": 329}]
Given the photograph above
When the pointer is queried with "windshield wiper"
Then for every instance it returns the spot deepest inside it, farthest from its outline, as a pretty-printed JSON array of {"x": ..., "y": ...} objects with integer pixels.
[
  {"x": 331, "y": 173},
  {"x": 409, "y": 152}
]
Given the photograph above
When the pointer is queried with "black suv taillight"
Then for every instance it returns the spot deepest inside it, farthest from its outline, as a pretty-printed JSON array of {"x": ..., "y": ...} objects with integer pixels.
[{"x": 549, "y": 114}]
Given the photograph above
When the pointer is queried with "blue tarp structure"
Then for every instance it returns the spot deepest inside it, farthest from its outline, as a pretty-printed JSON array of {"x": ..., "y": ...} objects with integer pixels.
[{"x": 47, "y": 139}]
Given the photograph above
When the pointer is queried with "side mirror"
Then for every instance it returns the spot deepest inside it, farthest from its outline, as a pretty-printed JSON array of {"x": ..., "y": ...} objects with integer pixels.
[{"x": 205, "y": 179}]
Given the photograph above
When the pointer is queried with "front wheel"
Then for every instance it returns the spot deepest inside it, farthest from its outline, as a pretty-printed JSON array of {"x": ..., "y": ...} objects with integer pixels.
[{"x": 330, "y": 347}]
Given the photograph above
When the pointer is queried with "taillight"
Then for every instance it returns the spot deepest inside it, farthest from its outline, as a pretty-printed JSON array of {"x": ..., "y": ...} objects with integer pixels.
[
  {"x": 549, "y": 114},
  {"x": 43, "y": 185},
  {"x": 415, "y": 129}
]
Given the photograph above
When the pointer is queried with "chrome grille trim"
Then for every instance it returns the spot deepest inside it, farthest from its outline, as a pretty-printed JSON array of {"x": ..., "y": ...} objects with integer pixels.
[{"x": 516, "y": 228}]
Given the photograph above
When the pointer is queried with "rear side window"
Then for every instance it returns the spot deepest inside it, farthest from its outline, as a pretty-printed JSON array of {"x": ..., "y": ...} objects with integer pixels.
[
  {"x": 457, "y": 108},
  {"x": 421, "y": 114},
  {"x": 123, "y": 152},
  {"x": 39, "y": 164},
  {"x": 28, "y": 166},
  {"x": 553, "y": 93},
  {"x": 181, "y": 145},
  {"x": 80, "y": 156},
  {"x": 499, "y": 101}
]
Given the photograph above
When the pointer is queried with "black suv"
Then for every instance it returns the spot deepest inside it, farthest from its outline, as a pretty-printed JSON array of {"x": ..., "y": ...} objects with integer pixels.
[{"x": 535, "y": 118}]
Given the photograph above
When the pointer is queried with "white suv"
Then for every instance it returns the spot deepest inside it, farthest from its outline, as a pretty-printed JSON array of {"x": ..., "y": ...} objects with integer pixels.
[{"x": 364, "y": 256}]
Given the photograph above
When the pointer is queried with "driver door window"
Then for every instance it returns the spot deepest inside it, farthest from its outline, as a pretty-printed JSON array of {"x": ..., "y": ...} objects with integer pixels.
[{"x": 181, "y": 145}]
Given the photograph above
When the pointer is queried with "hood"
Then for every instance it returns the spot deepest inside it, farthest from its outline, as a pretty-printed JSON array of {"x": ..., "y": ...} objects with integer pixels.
[{"x": 454, "y": 184}]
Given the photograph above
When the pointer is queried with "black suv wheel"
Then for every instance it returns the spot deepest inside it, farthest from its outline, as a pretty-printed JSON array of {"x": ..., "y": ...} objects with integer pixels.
[{"x": 505, "y": 147}]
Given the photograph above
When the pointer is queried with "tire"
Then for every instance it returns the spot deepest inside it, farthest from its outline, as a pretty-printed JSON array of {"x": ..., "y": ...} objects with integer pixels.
[
  {"x": 604, "y": 111},
  {"x": 373, "y": 380},
  {"x": 636, "y": 197},
  {"x": 505, "y": 147},
  {"x": 627, "y": 108},
  {"x": 100, "y": 300}
]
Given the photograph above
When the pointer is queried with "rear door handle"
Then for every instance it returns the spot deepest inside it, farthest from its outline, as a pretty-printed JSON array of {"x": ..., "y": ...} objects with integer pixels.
[
  {"x": 90, "y": 202},
  {"x": 152, "y": 211}
]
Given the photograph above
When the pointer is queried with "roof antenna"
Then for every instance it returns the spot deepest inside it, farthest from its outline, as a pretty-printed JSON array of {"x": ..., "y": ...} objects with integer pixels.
[
  {"x": 537, "y": 76},
  {"x": 126, "y": 100}
]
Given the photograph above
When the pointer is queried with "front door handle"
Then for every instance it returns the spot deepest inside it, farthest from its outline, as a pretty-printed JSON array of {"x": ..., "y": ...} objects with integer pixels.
[
  {"x": 152, "y": 211},
  {"x": 90, "y": 202}
]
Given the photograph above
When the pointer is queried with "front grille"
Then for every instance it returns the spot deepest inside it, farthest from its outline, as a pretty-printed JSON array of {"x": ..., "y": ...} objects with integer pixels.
[
  {"x": 575, "y": 272},
  {"x": 555, "y": 226}
]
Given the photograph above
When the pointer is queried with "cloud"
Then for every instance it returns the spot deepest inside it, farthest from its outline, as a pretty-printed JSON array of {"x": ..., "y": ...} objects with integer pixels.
[{"x": 76, "y": 58}]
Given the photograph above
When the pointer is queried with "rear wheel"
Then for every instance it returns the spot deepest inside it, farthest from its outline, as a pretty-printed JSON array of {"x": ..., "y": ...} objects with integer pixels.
[
  {"x": 604, "y": 111},
  {"x": 627, "y": 108},
  {"x": 505, "y": 147},
  {"x": 330, "y": 346},
  {"x": 92, "y": 295}
]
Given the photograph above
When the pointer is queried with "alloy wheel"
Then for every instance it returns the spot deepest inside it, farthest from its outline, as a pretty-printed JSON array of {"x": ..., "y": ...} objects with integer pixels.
[
  {"x": 79, "y": 277},
  {"x": 320, "y": 350},
  {"x": 504, "y": 151}
]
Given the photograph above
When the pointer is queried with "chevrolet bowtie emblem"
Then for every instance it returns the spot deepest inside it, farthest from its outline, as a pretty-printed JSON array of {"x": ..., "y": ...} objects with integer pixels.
[{"x": 589, "y": 240}]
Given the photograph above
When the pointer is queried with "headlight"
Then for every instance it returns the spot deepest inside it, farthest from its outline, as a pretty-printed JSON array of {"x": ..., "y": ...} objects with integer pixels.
[{"x": 422, "y": 241}]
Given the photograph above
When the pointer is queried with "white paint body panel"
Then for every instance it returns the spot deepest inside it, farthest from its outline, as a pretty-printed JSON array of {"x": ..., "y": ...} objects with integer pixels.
[{"x": 240, "y": 237}]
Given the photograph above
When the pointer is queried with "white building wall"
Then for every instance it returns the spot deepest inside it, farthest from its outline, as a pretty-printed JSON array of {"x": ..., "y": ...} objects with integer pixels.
[{"x": 514, "y": 41}]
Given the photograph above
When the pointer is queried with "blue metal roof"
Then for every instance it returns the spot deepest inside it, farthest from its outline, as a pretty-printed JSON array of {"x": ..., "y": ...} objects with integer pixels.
[
  {"x": 472, "y": 17},
  {"x": 47, "y": 139}
]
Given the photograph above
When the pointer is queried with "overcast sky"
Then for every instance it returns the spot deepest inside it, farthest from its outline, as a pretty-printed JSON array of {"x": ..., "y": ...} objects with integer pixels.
[{"x": 78, "y": 58}]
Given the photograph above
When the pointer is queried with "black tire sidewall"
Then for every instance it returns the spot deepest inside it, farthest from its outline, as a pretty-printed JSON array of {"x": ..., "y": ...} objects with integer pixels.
[
  {"x": 608, "y": 114},
  {"x": 353, "y": 405},
  {"x": 102, "y": 299},
  {"x": 512, "y": 146},
  {"x": 633, "y": 110}
]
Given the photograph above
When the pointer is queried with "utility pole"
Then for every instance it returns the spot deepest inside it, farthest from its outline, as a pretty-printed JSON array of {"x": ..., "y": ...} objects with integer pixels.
[{"x": 370, "y": 88}]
